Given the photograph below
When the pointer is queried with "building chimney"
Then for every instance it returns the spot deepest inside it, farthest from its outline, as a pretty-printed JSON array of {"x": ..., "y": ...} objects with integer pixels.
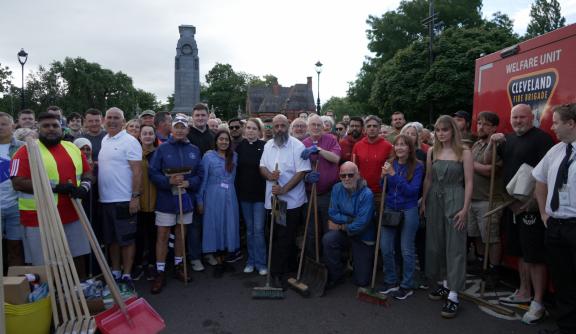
[{"x": 309, "y": 82}]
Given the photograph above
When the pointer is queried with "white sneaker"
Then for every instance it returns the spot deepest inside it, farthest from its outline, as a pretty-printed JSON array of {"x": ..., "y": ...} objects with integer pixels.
[
  {"x": 513, "y": 299},
  {"x": 211, "y": 259},
  {"x": 263, "y": 272},
  {"x": 535, "y": 313},
  {"x": 248, "y": 269},
  {"x": 197, "y": 265}
]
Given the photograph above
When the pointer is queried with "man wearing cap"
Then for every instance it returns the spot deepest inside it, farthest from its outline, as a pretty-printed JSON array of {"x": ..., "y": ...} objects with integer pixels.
[
  {"x": 163, "y": 124},
  {"x": 175, "y": 166},
  {"x": 555, "y": 179},
  {"x": 147, "y": 117},
  {"x": 462, "y": 119}
]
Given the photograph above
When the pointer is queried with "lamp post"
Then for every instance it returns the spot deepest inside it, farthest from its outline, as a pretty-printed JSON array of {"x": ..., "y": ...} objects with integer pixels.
[
  {"x": 318, "y": 70},
  {"x": 22, "y": 58}
]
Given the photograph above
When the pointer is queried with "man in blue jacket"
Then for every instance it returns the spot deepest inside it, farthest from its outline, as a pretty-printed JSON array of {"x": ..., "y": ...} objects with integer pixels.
[
  {"x": 175, "y": 166},
  {"x": 350, "y": 226}
]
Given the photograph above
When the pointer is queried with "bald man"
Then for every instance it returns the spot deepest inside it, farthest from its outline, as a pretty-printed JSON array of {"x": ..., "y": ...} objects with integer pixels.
[
  {"x": 350, "y": 227},
  {"x": 525, "y": 229},
  {"x": 119, "y": 182},
  {"x": 284, "y": 170}
]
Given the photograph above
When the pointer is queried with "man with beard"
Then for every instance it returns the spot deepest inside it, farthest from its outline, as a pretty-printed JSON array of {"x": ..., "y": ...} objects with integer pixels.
[
  {"x": 462, "y": 119},
  {"x": 525, "y": 229},
  {"x": 397, "y": 120},
  {"x": 355, "y": 134},
  {"x": 236, "y": 132},
  {"x": 70, "y": 176},
  {"x": 284, "y": 169}
]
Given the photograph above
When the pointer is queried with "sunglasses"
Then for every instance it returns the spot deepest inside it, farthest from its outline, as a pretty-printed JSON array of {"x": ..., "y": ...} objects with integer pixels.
[
  {"x": 347, "y": 175},
  {"x": 267, "y": 126},
  {"x": 235, "y": 127}
]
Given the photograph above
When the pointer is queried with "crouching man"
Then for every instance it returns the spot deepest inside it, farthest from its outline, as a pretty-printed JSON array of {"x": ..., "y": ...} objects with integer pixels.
[{"x": 350, "y": 226}]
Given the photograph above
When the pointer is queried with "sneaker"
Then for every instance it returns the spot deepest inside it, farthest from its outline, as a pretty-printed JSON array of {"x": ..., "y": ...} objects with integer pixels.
[
  {"x": 210, "y": 259},
  {"x": 387, "y": 288},
  {"x": 514, "y": 299},
  {"x": 137, "y": 273},
  {"x": 263, "y": 272},
  {"x": 158, "y": 283},
  {"x": 248, "y": 269},
  {"x": 197, "y": 265},
  {"x": 126, "y": 286},
  {"x": 439, "y": 294},
  {"x": 179, "y": 274},
  {"x": 402, "y": 293},
  {"x": 534, "y": 314},
  {"x": 449, "y": 309},
  {"x": 234, "y": 257}
]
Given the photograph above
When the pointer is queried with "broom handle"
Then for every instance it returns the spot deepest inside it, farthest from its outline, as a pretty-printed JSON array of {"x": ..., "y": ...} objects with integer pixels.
[
  {"x": 100, "y": 259},
  {"x": 316, "y": 243},
  {"x": 379, "y": 229},
  {"x": 490, "y": 203},
  {"x": 308, "y": 212},
  {"x": 273, "y": 206},
  {"x": 181, "y": 221}
]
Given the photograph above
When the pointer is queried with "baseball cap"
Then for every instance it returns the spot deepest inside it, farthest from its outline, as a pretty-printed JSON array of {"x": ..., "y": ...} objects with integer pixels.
[
  {"x": 180, "y": 119},
  {"x": 148, "y": 113},
  {"x": 462, "y": 114}
]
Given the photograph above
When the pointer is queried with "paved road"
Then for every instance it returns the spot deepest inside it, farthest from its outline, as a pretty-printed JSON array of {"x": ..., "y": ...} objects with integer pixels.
[{"x": 223, "y": 306}]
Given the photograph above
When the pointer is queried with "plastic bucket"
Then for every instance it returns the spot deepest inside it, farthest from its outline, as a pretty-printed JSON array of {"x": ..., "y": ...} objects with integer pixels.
[{"x": 32, "y": 318}]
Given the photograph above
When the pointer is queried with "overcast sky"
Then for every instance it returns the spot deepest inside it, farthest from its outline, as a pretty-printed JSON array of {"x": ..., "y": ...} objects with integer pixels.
[{"x": 259, "y": 37}]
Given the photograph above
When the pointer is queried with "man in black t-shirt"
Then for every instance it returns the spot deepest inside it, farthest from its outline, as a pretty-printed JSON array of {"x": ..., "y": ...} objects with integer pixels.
[{"x": 525, "y": 229}]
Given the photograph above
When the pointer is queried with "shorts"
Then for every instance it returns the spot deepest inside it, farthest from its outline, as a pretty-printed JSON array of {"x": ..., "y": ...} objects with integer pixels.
[
  {"x": 118, "y": 225},
  {"x": 170, "y": 219},
  {"x": 526, "y": 237},
  {"x": 75, "y": 235},
  {"x": 11, "y": 228},
  {"x": 477, "y": 223}
]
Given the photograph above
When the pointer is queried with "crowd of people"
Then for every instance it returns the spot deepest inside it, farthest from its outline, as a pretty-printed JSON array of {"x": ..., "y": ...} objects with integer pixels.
[{"x": 143, "y": 178}]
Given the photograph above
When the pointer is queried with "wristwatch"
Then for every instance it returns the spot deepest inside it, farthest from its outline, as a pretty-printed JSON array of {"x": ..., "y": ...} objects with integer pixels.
[{"x": 135, "y": 195}]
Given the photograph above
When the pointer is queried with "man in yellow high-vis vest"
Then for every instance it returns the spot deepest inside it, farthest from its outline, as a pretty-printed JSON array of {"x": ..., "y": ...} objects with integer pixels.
[{"x": 70, "y": 175}]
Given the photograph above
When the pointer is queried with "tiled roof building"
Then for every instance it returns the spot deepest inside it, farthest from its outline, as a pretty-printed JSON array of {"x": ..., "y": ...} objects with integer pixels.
[{"x": 270, "y": 101}]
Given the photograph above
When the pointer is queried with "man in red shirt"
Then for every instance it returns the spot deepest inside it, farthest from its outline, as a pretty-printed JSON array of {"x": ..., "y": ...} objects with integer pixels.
[
  {"x": 370, "y": 154},
  {"x": 70, "y": 175},
  {"x": 355, "y": 134}
]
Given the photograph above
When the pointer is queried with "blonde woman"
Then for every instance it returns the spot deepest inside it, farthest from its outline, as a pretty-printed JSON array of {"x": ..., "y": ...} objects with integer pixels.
[{"x": 445, "y": 202}]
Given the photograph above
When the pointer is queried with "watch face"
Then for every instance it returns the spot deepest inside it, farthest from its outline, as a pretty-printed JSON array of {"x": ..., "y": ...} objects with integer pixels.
[{"x": 186, "y": 49}]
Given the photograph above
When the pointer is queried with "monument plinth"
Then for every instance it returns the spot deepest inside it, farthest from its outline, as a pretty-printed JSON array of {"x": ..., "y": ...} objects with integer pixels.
[{"x": 186, "y": 71}]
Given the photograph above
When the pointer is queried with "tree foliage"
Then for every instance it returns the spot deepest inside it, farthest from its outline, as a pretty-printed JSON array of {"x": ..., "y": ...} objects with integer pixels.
[
  {"x": 5, "y": 76},
  {"x": 343, "y": 106},
  {"x": 545, "y": 16}
]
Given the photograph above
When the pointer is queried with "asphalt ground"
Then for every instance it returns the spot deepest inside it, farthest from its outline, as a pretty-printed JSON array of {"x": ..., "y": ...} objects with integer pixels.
[{"x": 223, "y": 306}]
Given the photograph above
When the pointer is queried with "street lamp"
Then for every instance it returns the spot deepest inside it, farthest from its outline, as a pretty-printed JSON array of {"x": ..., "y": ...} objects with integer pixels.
[
  {"x": 318, "y": 70},
  {"x": 22, "y": 58}
]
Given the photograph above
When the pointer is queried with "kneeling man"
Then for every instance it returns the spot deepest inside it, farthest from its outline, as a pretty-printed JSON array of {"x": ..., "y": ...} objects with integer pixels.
[{"x": 350, "y": 226}]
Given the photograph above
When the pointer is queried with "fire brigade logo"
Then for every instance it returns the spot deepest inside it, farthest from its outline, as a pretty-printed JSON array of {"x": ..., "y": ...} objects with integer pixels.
[{"x": 534, "y": 89}]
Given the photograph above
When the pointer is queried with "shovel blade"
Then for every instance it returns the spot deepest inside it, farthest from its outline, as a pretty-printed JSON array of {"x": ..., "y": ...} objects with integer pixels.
[
  {"x": 315, "y": 276},
  {"x": 143, "y": 319}
]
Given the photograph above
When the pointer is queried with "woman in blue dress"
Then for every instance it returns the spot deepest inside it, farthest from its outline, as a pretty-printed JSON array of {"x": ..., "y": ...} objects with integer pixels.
[{"x": 217, "y": 199}]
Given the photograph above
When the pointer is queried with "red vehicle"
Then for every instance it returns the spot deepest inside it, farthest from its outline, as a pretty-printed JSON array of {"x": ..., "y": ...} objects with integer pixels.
[{"x": 540, "y": 72}]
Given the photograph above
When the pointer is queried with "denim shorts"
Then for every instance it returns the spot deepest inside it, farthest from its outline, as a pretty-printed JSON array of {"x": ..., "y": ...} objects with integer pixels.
[{"x": 11, "y": 228}]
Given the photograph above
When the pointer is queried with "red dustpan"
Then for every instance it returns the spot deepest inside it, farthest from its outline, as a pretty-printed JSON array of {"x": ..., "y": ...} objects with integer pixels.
[
  {"x": 142, "y": 319},
  {"x": 133, "y": 316}
]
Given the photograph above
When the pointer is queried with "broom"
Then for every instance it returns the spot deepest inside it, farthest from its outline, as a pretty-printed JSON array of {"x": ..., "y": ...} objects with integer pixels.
[
  {"x": 370, "y": 295},
  {"x": 268, "y": 291}
]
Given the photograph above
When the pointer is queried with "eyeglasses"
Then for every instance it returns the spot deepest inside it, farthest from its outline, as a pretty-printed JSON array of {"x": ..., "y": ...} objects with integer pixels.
[
  {"x": 347, "y": 175},
  {"x": 234, "y": 127}
]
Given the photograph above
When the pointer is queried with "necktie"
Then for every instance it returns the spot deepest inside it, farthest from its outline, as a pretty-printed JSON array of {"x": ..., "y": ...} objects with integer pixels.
[{"x": 561, "y": 178}]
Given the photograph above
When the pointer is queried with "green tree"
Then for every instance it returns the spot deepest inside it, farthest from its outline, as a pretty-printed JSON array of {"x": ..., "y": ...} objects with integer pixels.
[
  {"x": 5, "y": 79},
  {"x": 545, "y": 16},
  {"x": 225, "y": 90},
  {"x": 343, "y": 106}
]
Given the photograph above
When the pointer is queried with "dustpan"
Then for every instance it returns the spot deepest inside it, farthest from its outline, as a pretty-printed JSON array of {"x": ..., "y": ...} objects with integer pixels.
[
  {"x": 134, "y": 315},
  {"x": 143, "y": 319}
]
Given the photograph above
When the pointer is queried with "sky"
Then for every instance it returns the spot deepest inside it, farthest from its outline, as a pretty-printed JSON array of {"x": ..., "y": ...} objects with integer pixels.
[{"x": 258, "y": 37}]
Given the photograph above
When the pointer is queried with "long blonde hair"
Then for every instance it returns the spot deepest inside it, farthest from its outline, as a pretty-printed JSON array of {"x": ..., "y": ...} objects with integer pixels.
[{"x": 455, "y": 141}]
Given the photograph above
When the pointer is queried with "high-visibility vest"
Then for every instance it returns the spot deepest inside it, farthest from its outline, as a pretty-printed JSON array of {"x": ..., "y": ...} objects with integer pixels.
[{"x": 26, "y": 201}]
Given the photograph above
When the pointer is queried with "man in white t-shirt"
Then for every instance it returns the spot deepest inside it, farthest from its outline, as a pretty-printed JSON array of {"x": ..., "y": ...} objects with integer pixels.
[
  {"x": 11, "y": 228},
  {"x": 119, "y": 182},
  {"x": 286, "y": 182}
]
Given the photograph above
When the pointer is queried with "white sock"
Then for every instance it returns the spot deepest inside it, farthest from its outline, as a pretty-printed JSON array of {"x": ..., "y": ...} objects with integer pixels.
[
  {"x": 160, "y": 266},
  {"x": 445, "y": 284},
  {"x": 536, "y": 305},
  {"x": 453, "y": 296},
  {"x": 117, "y": 274},
  {"x": 177, "y": 260},
  {"x": 126, "y": 276}
]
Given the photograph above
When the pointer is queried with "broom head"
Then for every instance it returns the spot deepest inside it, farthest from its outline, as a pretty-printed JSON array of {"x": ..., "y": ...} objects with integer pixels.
[
  {"x": 267, "y": 292},
  {"x": 299, "y": 287},
  {"x": 372, "y": 296}
]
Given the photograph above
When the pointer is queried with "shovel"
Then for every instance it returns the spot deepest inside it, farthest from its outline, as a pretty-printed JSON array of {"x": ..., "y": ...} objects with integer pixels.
[{"x": 133, "y": 316}]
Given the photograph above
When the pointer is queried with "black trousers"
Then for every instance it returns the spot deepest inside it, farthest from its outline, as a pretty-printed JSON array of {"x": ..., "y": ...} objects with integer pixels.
[
  {"x": 561, "y": 246},
  {"x": 284, "y": 251}
]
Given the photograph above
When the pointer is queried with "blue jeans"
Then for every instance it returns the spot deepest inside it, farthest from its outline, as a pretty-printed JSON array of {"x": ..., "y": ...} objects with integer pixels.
[
  {"x": 255, "y": 216},
  {"x": 11, "y": 228},
  {"x": 407, "y": 231}
]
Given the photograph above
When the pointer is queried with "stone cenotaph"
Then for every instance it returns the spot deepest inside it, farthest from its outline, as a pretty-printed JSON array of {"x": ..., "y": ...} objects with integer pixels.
[{"x": 186, "y": 71}]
